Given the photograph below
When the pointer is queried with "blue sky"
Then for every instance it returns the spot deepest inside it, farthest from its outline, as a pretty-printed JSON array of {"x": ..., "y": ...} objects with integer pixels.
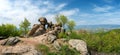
[{"x": 83, "y": 12}]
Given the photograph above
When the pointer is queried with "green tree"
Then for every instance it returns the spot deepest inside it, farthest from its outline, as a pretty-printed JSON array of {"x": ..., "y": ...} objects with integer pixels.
[
  {"x": 71, "y": 25},
  {"x": 24, "y": 26},
  {"x": 61, "y": 19}
]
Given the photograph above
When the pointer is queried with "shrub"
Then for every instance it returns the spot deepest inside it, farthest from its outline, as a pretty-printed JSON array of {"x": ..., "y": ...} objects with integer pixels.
[
  {"x": 62, "y": 35},
  {"x": 103, "y": 41},
  {"x": 74, "y": 35},
  {"x": 8, "y": 30}
]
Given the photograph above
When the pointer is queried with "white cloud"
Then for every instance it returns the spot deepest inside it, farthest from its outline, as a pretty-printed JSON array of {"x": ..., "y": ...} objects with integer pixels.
[
  {"x": 100, "y": 18},
  {"x": 4, "y": 5},
  {"x": 61, "y": 6},
  {"x": 102, "y": 9},
  {"x": 112, "y": 21},
  {"x": 69, "y": 12},
  {"x": 108, "y": 1},
  {"x": 15, "y": 11}
]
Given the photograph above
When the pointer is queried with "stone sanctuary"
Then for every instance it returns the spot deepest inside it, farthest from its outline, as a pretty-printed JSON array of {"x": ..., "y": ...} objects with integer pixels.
[{"x": 45, "y": 33}]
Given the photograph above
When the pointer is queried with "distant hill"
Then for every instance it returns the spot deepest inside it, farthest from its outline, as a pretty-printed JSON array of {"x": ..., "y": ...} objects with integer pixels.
[{"x": 103, "y": 26}]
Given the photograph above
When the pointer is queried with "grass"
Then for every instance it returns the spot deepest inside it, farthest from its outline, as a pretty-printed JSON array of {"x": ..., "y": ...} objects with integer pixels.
[
  {"x": 43, "y": 49},
  {"x": 65, "y": 50}
]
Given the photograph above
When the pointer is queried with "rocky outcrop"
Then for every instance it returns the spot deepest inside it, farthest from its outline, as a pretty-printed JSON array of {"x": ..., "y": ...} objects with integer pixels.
[
  {"x": 39, "y": 34},
  {"x": 27, "y": 45},
  {"x": 79, "y": 45},
  {"x": 40, "y": 29}
]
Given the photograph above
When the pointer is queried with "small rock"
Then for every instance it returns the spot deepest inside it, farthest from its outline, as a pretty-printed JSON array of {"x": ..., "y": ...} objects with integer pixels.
[
  {"x": 2, "y": 37},
  {"x": 32, "y": 52},
  {"x": 51, "y": 38},
  {"x": 59, "y": 42},
  {"x": 56, "y": 45}
]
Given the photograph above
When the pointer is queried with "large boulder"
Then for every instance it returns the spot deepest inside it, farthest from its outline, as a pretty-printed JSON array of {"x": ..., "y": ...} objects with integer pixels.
[
  {"x": 79, "y": 45},
  {"x": 33, "y": 30},
  {"x": 10, "y": 41},
  {"x": 46, "y": 38},
  {"x": 39, "y": 31}
]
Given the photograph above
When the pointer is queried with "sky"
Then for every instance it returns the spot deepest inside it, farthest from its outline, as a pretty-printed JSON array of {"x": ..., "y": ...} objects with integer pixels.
[{"x": 83, "y": 12}]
